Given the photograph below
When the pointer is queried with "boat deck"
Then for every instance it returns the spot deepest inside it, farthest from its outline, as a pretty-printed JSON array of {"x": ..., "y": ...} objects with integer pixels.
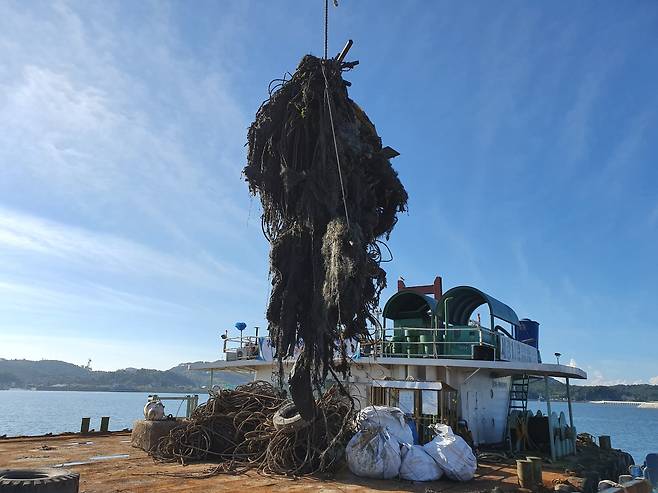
[{"x": 107, "y": 464}]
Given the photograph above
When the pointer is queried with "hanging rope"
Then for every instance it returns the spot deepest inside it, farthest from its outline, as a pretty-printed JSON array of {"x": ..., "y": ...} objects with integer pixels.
[
  {"x": 333, "y": 133},
  {"x": 326, "y": 29},
  {"x": 324, "y": 259}
]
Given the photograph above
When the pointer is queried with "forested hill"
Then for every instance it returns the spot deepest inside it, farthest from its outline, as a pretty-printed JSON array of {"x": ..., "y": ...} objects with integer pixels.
[
  {"x": 58, "y": 375},
  {"x": 558, "y": 390}
]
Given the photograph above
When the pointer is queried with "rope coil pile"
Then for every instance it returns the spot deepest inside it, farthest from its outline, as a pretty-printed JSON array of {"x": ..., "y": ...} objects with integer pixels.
[{"x": 235, "y": 428}]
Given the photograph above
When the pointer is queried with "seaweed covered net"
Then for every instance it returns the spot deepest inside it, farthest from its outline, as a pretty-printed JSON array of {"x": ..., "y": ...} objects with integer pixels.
[
  {"x": 236, "y": 429},
  {"x": 328, "y": 193}
]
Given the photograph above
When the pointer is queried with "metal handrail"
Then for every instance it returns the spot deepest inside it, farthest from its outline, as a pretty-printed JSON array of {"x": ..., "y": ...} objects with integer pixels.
[
  {"x": 383, "y": 345},
  {"x": 247, "y": 344},
  {"x": 191, "y": 400}
]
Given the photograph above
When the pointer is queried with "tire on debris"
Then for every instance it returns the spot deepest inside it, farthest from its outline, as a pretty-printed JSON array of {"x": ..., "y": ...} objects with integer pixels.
[
  {"x": 38, "y": 480},
  {"x": 288, "y": 417}
]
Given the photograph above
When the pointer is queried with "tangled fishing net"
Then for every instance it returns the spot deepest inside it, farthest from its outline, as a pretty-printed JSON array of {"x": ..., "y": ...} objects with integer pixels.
[
  {"x": 236, "y": 429},
  {"x": 328, "y": 193}
]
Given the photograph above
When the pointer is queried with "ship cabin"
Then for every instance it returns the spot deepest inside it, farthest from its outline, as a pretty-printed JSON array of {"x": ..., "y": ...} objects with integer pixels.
[{"x": 459, "y": 357}]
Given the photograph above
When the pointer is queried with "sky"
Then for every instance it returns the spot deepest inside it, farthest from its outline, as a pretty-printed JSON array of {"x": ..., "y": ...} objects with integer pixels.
[{"x": 528, "y": 140}]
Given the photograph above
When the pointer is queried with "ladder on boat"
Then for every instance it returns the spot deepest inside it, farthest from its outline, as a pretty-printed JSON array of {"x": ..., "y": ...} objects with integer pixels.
[
  {"x": 518, "y": 394},
  {"x": 516, "y": 412}
]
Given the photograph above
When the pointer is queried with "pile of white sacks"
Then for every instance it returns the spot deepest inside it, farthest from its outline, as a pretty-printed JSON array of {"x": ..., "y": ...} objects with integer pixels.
[{"x": 383, "y": 448}]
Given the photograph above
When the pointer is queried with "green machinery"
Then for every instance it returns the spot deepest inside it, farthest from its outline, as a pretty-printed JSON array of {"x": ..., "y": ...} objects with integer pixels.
[{"x": 420, "y": 331}]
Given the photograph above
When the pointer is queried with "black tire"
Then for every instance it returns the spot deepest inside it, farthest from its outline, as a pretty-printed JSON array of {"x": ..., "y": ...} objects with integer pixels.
[
  {"x": 288, "y": 417},
  {"x": 38, "y": 481}
]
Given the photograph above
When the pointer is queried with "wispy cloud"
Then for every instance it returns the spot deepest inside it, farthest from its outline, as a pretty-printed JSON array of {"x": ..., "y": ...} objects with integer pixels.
[
  {"x": 78, "y": 121},
  {"x": 35, "y": 300},
  {"x": 22, "y": 234}
]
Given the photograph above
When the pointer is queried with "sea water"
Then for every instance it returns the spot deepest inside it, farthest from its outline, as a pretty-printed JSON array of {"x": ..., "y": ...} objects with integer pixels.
[{"x": 25, "y": 412}]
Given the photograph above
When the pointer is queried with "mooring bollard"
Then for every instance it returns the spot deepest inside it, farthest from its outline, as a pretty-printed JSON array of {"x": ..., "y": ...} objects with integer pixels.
[
  {"x": 604, "y": 442},
  {"x": 105, "y": 424},
  {"x": 524, "y": 472},
  {"x": 536, "y": 470},
  {"x": 84, "y": 426}
]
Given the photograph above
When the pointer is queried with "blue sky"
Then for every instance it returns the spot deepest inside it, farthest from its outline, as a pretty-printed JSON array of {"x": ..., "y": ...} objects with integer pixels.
[{"x": 527, "y": 133}]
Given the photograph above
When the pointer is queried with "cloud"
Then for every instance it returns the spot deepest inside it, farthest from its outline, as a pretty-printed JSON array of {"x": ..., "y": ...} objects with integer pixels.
[
  {"x": 35, "y": 300},
  {"x": 653, "y": 380},
  {"x": 596, "y": 377},
  {"x": 28, "y": 236},
  {"x": 573, "y": 363},
  {"x": 100, "y": 135}
]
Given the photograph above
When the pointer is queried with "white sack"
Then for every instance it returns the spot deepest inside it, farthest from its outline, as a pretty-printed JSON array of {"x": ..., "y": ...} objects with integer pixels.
[
  {"x": 418, "y": 465},
  {"x": 373, "y": 453},
  {"x": 391, "y": 418},
  {"x": 452, "y": 453}
]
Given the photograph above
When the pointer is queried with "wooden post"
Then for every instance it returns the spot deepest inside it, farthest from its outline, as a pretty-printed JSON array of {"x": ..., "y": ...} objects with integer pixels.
[
  {"x": 105, "y": 424},
  {"x": 604, "y": 442},
  {"x": 536, "y": 471},
  {"x": 524, "y": 473},
  {"x": 84, "y": 425}
]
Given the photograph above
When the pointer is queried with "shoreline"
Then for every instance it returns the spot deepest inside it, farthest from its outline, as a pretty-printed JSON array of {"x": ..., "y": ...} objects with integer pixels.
[
  {"x": 637, "y": 404},
  {"x": 141, "y": 391}
]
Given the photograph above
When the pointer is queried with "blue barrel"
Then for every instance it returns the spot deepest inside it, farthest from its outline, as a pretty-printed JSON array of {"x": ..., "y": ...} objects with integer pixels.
[{"x": 528, "y": 332}]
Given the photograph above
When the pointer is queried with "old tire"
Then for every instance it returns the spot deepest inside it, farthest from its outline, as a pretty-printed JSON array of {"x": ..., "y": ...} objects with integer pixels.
[
  {"x": 38, "y": 481},
  {"x": 287, "y": 417}
]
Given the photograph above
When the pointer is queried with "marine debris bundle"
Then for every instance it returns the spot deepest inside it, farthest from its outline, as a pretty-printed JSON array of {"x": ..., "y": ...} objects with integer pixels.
[
  {"x": 328, "y": 193},
  {"x": 247, "y": 428}
]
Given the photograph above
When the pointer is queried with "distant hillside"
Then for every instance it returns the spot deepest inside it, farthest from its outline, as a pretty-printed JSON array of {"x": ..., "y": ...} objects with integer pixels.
[
  {"x": 558, "y": 390},
  {"x": 58, "y": 375}
]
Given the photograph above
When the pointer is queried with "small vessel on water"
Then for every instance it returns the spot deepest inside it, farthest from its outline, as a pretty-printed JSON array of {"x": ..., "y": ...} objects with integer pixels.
[{"x": 437, "y": 364}]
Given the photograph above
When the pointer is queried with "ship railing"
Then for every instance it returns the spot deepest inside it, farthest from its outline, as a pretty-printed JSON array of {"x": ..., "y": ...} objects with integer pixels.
[
  {"x": 241, "y": 348},
  {"x": 423, "y": 342},
  {"x": 192, "y": 401}
]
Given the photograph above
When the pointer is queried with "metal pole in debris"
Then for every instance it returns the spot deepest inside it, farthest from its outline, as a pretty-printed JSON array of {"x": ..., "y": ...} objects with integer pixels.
[
  {"x": 341, "y": 56},
  {"x": 573, "y": 438},
  {"x": 550, "y": 418}
]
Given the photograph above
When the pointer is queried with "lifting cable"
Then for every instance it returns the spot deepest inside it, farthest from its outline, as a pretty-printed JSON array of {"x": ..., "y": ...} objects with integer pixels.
[{"x": 328, "y": 100}]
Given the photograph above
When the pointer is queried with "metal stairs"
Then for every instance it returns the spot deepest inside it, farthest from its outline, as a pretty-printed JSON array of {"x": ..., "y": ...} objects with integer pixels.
[
  {"x": 516, "y": 412},
  {"x": 518, "y": 394}
]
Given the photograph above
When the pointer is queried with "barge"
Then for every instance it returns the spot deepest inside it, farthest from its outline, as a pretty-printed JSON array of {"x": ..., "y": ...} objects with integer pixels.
[{"x": 435, "y": 359}]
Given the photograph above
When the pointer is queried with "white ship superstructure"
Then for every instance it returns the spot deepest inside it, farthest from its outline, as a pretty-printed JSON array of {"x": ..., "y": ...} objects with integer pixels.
[{"x": 431, "y": 359}]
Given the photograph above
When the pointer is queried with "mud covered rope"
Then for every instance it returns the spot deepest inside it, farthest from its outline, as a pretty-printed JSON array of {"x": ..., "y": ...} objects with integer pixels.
[
  {"x": 328, "y": 194},
  {"x": 237, "y": 429}
]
